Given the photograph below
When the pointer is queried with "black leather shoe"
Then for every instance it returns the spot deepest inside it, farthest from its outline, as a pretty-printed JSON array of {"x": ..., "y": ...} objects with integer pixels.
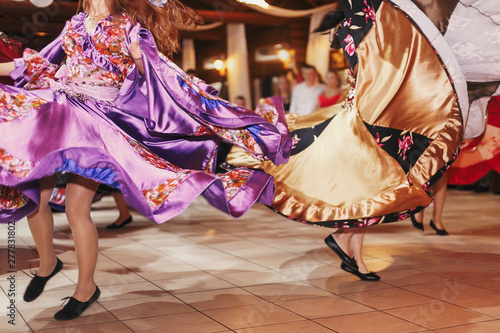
[
  {"x": 113, "y": 225},
  {"x": 416, "y": 224},
  {"x": 372, "y": 276},
  {"x": 440, "y": 232},
  {"x": 332, "y": 244},
  {"x": 35, "y": 288},
  {"x": 74, "y": 308}
]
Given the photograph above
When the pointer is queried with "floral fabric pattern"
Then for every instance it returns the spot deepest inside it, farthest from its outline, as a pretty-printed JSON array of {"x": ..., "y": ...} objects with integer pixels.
[
  {"x": 234, "y": 180},
  {"x": 11, "y": 198},
  {"x": 158, "y": 195},
  {"x": 13, "y": 106},
  {"x": 39, "y": 71},
  {"x": 109, "y": 40},
  {"x": 360, "y": 17},
  {"x": 14, "y": 165}
]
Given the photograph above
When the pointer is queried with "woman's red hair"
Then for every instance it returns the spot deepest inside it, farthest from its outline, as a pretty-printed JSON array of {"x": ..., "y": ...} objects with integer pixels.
[{"x": 158, "y": 20}]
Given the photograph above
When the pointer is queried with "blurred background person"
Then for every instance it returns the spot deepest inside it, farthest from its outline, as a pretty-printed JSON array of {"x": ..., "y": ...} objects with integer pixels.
[
  {"x": 284, "y": 89},
  {"x": 305, "y": 94},
  {"x": 332, "y": 92},
  {"x": 240, "y": 101}
]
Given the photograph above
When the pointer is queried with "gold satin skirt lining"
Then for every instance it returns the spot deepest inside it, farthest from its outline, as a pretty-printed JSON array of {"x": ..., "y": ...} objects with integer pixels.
[{"x": 344, "y": 174}]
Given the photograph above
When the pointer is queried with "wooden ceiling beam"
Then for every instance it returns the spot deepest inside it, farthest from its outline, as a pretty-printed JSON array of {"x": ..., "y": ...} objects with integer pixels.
[
  {"x": 249, "y": 18},
  {"x": 57, "y": 9},
  {"x": 64, "y": 10}
]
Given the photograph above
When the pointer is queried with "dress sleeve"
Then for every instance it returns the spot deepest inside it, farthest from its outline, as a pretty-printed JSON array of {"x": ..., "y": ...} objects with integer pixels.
[
  {"x": 171, "y": 103},
  {"x": 35, "y": 69}
]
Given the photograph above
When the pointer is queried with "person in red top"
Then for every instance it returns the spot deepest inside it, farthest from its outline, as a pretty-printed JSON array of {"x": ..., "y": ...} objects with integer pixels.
[
  {"x": 332, "y": 92},
  {"x": 9, "y": 50},
  {"x": 481, "y": 155}
]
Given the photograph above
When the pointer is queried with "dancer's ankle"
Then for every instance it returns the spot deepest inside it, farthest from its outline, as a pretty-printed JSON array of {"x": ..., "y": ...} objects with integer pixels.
[
  {"x": 46, "y": 268},
  {"x": 83, "y": 294}
]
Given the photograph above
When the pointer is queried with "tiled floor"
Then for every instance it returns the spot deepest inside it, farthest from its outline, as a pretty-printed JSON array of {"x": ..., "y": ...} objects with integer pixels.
[{"x": 205, "y": 272}]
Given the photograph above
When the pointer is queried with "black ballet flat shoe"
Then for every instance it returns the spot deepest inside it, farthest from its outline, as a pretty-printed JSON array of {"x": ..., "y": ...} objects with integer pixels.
[
  {"x": 416, "y": 224},
  {"x": 332, "y": 244},
  {"x": 74, "y": 308},
  {"x": 440, "y": 232},
  {"x": 372, "y": 276},
  {"x": 114, "y": 226},
  {"x": 35, "y": 288}
]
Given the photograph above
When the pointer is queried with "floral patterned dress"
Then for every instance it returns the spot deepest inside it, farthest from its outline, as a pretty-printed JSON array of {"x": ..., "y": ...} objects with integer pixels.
[{"x": 81, "y": 106}]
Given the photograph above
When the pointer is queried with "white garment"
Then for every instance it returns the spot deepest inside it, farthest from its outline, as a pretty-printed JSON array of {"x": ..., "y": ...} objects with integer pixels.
[
  {"x": 305, "y": 99},
  {"x": 474, "y": 36}
]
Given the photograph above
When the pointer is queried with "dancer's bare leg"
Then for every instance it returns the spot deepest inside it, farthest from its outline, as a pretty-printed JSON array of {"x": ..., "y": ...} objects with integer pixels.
[
  {"x": 420, "y": 216},
  {"x": 122, "y": 208},
  {"x": 41, "y": 223},
  {"x": 356, "y": 248},
  {"x": 439, "y": 197},
  {"x": 343, "y": 237},
  {"x": 79, "y": 195}
]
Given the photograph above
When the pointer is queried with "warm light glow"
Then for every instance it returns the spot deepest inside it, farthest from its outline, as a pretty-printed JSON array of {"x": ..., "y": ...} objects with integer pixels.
[
  {"x": 219, "y": 65},
  {"x": 261, "y": 3},
  {"x": 283, "y": 55}
]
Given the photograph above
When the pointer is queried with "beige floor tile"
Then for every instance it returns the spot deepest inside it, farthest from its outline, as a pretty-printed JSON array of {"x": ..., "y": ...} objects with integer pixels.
[
  {"x": 373, "y": 322},
  {"x": 347, "y": 284},
  {"x": 196, "y": 255},
  {"x": 12, "y": 322},
  {"x": 458, "y": 271},
  {"x": 438, "y": 314},
  {"x": 294, "y": 327},
  {"x": 252, "y": 315},
  {"x": 484, "y": 327},
  {"x": 492, "y": 264},
  {"x": 191, "y": 282},
  {"x": 284, "y": 260},
  {"x": 165, "y": 272},
  {"x": 378, "y": 265},
  {"x": 115, "y": 292},
  {"x": 310, "y": 272},
  {"x": 408, "y": 277},
  {"x": 58, "y": 281},
  {"x": 146, "y": 307},
  {"x": 48, "y": 298},
  {"x": 109, "y": 277},
  {"x": 259, "y": 251},
  {"x": 486, "y": 304},
  {"x": 39, "y": 319},
  {"x": 491, "y": 282},
  {"x": 235, "y": 265},
  {"x": 388, "y": 298},
  {"x": 255, "y": 278},
  {"x": 142, "y": 259},
  {"x": 416, "y": 261},
  {"x": 192, "y": 322},
  {"x": 219, "y": 299},
  {"x": 448, "y": 291},
  {"x": 280, "y": 292},
  {"x": 211, "y": 236},
  {"x": 327, "y": 306},
  {"x": 110, "y": 327},
  {"x": 202, "y": 255}
]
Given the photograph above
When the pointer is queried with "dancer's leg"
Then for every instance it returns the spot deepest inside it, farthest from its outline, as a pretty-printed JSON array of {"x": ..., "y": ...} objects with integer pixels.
[
  {"x": 122, "y": 208},
  {"x": 79, "y": 194},
  {"x": 439, "y": 198},
  {"x": 420, "y": 216},
  {"x": 343, "y": 237},
  {"x": 41, "y": 223},
  {"x": 356, "y": 248}
]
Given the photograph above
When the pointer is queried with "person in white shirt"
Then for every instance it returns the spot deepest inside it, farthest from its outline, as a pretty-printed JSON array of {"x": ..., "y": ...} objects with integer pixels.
[{"x": 305, "y": 94}]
